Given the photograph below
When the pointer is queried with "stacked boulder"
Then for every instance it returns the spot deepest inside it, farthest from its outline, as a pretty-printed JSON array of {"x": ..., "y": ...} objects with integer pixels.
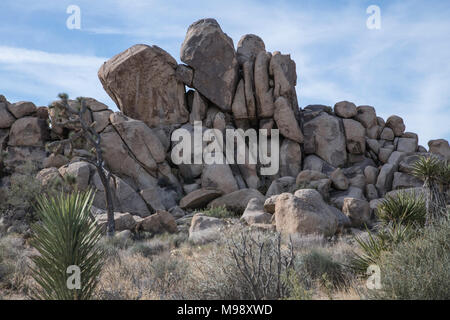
[{"x": 335, "y": 163}]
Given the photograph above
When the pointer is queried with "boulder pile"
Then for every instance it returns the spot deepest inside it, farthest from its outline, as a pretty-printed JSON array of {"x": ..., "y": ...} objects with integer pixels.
[{"x": 336, "y": 163}]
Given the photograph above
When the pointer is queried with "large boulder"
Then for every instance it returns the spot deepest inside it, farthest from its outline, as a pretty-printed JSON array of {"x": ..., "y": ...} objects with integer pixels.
[
  {"x": 248, "y": 48},
  {"x": 339, "y": 180},
  {"x": 80, "y": 171},
  {"x": 396, "y": 124},
  {"x": 290, "y": 158},
  {"x": 140, "y": 140},
  {"x": 355, "y": 136},
  {"x": 6, "y": 118},
  {"x": 440, "y": 147},
  {"x": 357, "y": 210},
  {"x": 385, "y": 178},
  {"x": 304, "y": 213},
  {"x": 236, "y": 201},
  {"x": 220, "y": 177},
  {"x": 324, "y": 136},
  {"x": 367, "y": 116},
  {"x": 283, "y": 70},
  {"x": 254, "y": 213},
  {"x": 119, "y": 161},
  {"x": 142, "y": 82},
  {"x": 210, "y": 52},
  {"x": 281, "y": 185},
  {"x": 160, "y": 222},
  {"x": 263, "y": 90},
  {"x": 199, "y": 198},
  {"x": 407, "y": 145},
  {"x": 122, "y": 221},
  {"x": 28, "y": 132},
  {"x": 286, "y": 122},
  {"x": 345, "y": 109},
  {"x": 22, "y": 109},
  {"x": 405, "y": 181},
  {"x": 205, "y": 229}
]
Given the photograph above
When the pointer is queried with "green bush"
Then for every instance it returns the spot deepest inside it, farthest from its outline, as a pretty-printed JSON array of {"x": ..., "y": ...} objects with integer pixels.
[
  {"x": 376, "y": 244},
  {"x": 218, "y": 212},
  {"x": 319, "y": 265},
  {"x": 403, "y": 208},
  {"x": 66, "y": 236},
  {"x": 418, "y": 269}
]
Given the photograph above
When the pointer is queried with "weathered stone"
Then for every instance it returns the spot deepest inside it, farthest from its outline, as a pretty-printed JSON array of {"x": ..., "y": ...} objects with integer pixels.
[
  {"x": 254, "y": 212},
  {"x": 396, "y": 157},
  {"x": 371, "y": 174},
  {"x": 249, "y": 82},
  {"x": 142, "y": 82},
  {"x": 339, "y": 180},
  {"x": 281, "y": 185},
  {"x": 305, "y": 213},
  {"x": 396, "y": 124},
  {"x": 199, "y": 107},
  {"x": 220, "y": 177},
  {"x": 205, "y": 229},
  {"x": 263, "y": 91},
  {"x": 345, "y": 109},
  {"x": 406, "y": 165},
  {"x": 28, "y": 132},
  {"x": 290, "y": 158},
  {"x": 122, "y": 221},
  {"x": 199, "y": 198},
  {"x": 374, "y": 145},
  {"x": 283, "y": 70},
  {"x": 385, "y": 178},
  {"x": 210, "y": 52},
  {"x": 324, "y": 136},
  {"x": 374, "y": 132},
  {"x": 120, "y": 162},
  {"x": 269, "y": 204},
  {"x": 440, "y": 147},
  {"x": 236, "y": 201},
  {"x": 367, "y": 116},
  {"x": 239, "y": 107},
  {"x": 355, "y": 136},
  {"x": 55, "y": 161},
  {"x": 286, "y": 121},
  {"x": 405, "y": 181},
  {"x": 101, "y": 119},
  {"x": 185, "y": 74},
  {"x": 22, "y": 109},
  {"x": 371, "y": 192},
  {"x": 81, "y": 171},
  {"x": 407, "y": 145},
  {"x": 140, "y": 139},
  {"x": 153, "y": 197},
  {"x": 313, "y": 162},
  {"x": 337, "y": 198},
  {"x": 384, "y": 154},
  {"x": 359, "y": 181},
  {"x": 18, "y": 156},
  {"x": 48, "y": 176},
  {"x": 160, "y": 222},
  {"x": 357, "y": 210},
  {"x": 129, "y": 200},
  {"x": 6, "y": 118},
  {"x": 94, "y": 105},
  {"x": 387, "y": 134},
  {"x": 248, "y": 48}
]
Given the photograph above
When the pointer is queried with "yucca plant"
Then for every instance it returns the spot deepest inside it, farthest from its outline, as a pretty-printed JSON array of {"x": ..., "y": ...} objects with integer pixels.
[
  {"x": 378, "y": 243},
  {"x": 66, "y": 235},
  {"x": 435, "y": 173},
  {"x": 405, "y": 208}
]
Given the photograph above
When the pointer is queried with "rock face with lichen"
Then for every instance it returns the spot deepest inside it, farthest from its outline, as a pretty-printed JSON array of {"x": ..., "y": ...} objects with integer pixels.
[{"x": 340, "y": 158}]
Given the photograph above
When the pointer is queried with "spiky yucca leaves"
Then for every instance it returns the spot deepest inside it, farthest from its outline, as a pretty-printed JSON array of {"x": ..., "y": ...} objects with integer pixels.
[
  {"x": 404, "y": 208},
  {"x": 66, "y": 236},
  {"x": 376, "y": 244},
  {"x": 435, "y": 173}
]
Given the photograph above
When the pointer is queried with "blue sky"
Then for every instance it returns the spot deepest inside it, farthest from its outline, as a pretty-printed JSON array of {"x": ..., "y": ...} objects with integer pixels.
[{"x": 403, "y": 68}]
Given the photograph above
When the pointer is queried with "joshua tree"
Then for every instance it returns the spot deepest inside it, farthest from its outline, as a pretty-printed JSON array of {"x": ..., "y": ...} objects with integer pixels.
[
  {"x": 83, "y": 130},
  {"x": 435, "y": 174}
]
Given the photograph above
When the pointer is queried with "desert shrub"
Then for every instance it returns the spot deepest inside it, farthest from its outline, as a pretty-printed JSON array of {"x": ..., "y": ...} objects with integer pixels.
[
  {"x": 320, "y": 266},
  {"x": 66, "y": 236},
  {"x": 435, "y": 173},
  {"x": 134, "y": 277},
  {"x": 149, "y": 248},
  {"x": 218, "y": 212},
  {"x": 14, "y": 272},
  {"x": 405, "y": 208},
  {"x": 376, "y": 244},
  {"x": 248, "y": 264},
  {"x": 418, "y": 269}
]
